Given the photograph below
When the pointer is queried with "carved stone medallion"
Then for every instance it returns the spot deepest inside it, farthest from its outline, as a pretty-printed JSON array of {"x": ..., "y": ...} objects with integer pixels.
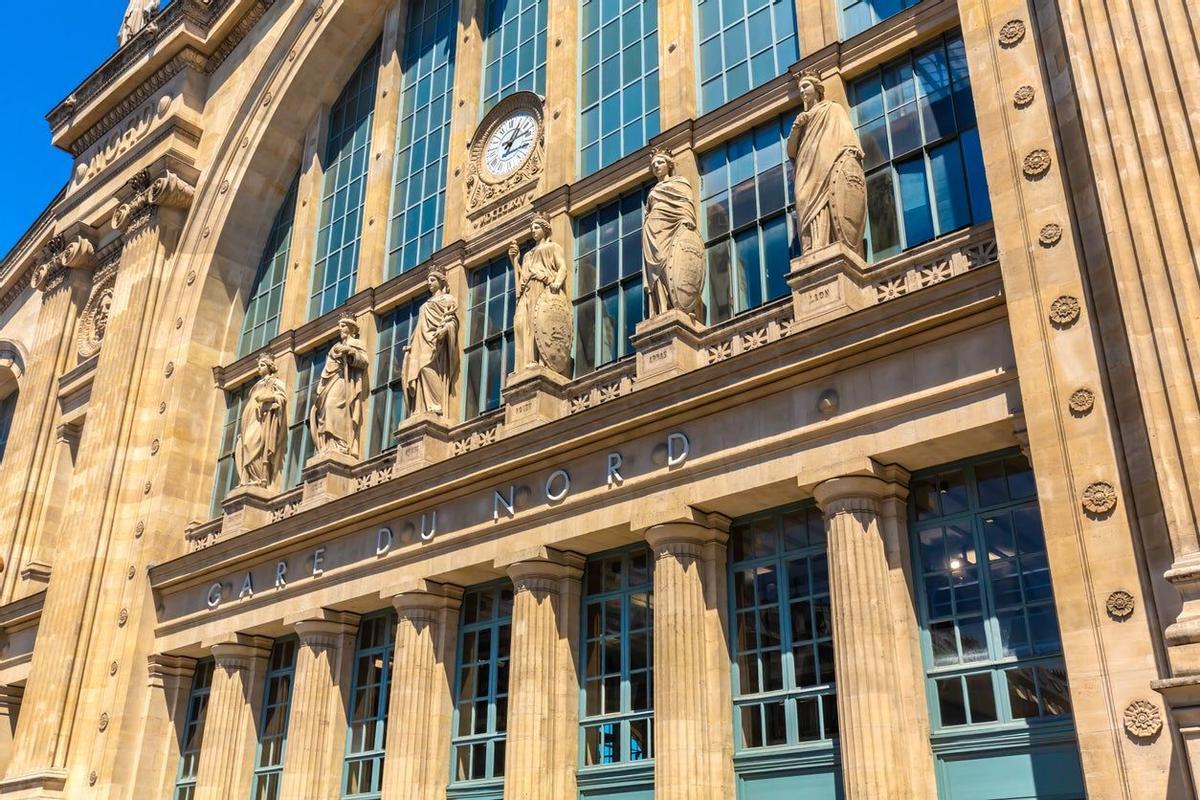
[
  {"x": 93, "y": 323},
  {"x": 507, "y": 158},
  {"x": 1099, "y": 497},
  {"x": 1012, "y": 32},
  {"x": 1036, "y": 163},
  {"x": 1143, "y": 719},
  {"x": 1064, "y": 310},
  {"x": 1050, "y": 234},
  {"x": 1023, "y": 96},
  {"x": 1119, "y": 605},
  {"x": 1082, "y": 401}
]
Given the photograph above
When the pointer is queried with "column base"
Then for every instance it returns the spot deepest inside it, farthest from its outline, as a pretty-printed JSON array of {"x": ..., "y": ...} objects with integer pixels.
[
  {"x": 827, "y": 284},
  {"x": 667, "y": 345},
  {"x": 246, "y": 508},
  {"x": 532, "y": 397},
  {"x": 328, "y": 476},
  {"x": 421, "y": 440}
]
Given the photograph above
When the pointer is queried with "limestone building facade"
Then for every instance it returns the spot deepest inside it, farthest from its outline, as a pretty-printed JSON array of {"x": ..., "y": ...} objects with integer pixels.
[{"x": 622, "y": 399}]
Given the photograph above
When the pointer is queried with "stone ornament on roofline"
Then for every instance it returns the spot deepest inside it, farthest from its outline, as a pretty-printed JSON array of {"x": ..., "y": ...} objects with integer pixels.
[{"x": 138, "y": 16}]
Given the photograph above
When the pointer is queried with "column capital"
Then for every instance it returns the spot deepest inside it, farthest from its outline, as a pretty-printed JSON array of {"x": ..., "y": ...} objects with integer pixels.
[
  {"x": 322, "y": 628},
  {"x": 688, "y": 537},
  {"x": 238, "y": 652},
  {"x": 74, "y": 248},
  {"x": 540, "y": 568},
  {"x": 419, "y": 598},
  {"x": 163, "y": 667},
  {"x": 156, "y": 186},
  {"x": 851, "y": 493}
]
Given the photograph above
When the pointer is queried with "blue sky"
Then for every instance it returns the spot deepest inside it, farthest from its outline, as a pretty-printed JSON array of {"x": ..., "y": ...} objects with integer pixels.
[{"x": 51, "y": 48}]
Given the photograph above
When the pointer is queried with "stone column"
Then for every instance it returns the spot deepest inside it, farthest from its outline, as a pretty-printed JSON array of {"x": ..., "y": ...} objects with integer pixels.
[
  {"x": 872, "y": 737},
  {"x": 29, "y": 458},
  {"x": 468, "y": 79},
  {"x": 678, "y": 54},
  {"x": 562, "y": 113},
  {"x": 418, "y": 735},
  {"x": 10, "y": 707},
  {"x": 151, "y": 214},
  {"x": 693, "y": 747},
  {"x": 543, "y": 689},
  {"x": 234, "y": 705},
  {"x": 317, "y": 718},
  {"x": 166, "y": 713}
]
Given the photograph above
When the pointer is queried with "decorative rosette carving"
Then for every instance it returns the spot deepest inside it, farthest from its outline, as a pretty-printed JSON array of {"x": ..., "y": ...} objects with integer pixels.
[
  {"x": 1023, "y": 96},
  {"x": 1143, "y": 720},
  {"x": 1036, "y": 163},
  {"x": 1064, "y": 310},
  {"x": 1012, "y": 32},
  {"x": 1082, "y": 401},
  {"x": 1099, "y": 497},
  {"x": 1120, "y": 605},
  {"x": 1050, "y": 234}
]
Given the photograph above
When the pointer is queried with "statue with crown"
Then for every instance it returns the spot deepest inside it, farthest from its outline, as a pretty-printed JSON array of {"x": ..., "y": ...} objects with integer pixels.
[
  {"x": 672, "y": 250},
  {"x": 831, "y": 193}
]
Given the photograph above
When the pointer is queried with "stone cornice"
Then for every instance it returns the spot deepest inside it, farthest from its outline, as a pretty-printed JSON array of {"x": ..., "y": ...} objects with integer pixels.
[{"x": 182, "y": 35}]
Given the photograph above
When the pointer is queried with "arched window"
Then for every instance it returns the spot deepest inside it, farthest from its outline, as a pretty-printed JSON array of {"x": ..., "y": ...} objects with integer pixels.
[
  {"x": 12, "y": 366},
  {"x": 261, "y": 323},
  {"x": 8, "y": 409}
]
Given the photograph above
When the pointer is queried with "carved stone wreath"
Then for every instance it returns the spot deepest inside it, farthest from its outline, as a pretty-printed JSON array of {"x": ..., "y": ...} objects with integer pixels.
[
  {"x": 1037, "y": 163},
  {"x": 482, "y": 189},
  {"x": 93, "y": 323},
  {"x": 1050, "y": 234},
  {"x": 1082, "y": 401},
  {"x": 1012, "y": 32},
  {"x": 1064, "y": 310},
  {"x": 1120, "y": 604},
  {"x": 1099, "y": 497},
  {"x": 1023, "y": 96},
  {"x": 1143, "y": 719}
]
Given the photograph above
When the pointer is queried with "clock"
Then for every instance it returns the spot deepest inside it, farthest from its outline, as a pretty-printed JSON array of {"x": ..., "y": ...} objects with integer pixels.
[
  {"x": 507, "y": 156},
  {"x": 510, "y": 143}
]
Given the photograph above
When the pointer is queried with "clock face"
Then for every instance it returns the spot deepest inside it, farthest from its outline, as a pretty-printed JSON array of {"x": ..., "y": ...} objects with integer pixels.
[{"x": 511, "y": 143}]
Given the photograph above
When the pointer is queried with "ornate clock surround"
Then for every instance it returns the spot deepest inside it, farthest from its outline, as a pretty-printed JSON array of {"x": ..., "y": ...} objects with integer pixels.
[{"x": 488, "y": 197}]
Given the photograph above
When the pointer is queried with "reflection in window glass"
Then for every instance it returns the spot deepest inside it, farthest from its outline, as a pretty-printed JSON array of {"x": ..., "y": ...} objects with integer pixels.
[
  {"x": 261, "y": 323},
  {"x": 226, "y": 478},
  {"x": 916, "y": 120},
  {"x": 489, "y": 351},
  {"x": 992, "y": 644},
  {"x": 193, "y": 731},
  {"x": 514, "y": 48},
  {"x": 481, "y": 684},
  {"x": 746, "y": 203},
  {"x": 859, "y": 15},
  {"x": 388, "y": 402},
  {"x": 273, "y": 727},
  {"x": 362, "y": 774},
  {"x": 300, "y": 445},
  {"x": 743, "y": 45}
]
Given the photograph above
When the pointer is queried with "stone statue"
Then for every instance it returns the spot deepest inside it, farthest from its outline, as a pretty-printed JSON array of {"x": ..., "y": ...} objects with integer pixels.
[
  {"x": 672, "y": 251},
  {"x": 431, "y": 357},
  {"x": 258, "y": 451},
  {"x": 831, "y": 191},
  {"x": 542, "y": 327},
  {"x": 337, "y": 410},
  {"x": 137, "y": 16}
]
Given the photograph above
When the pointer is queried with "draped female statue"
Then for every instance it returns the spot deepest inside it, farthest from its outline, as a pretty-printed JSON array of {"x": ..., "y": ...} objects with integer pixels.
[
  {"x": 258, "y": 451},
  {"x": 542, "y": 328},
  {"x": 672, "y": 252},
  {"x": 831, "y": 193},
  {"x": 431, "y": 357},
  {"x": 337, "y": 410},
  {"x": 137, "y": 16}
]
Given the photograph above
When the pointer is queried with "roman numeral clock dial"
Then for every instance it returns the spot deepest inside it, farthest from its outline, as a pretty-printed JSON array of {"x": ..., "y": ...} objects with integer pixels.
[{"x": 510, "y": 144}]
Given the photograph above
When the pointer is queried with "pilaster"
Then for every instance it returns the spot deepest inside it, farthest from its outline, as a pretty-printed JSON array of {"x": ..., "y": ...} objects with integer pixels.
[
  {"x": 10, "y": 708},
  {"x": 298, "y": 288},
  {"x": 543, "y": 702},
  {"x": 874, "y": 743},
  {"x": 317, "y": 723},
  {"x": 693, "y": 746},
  {"x": 468, "y": 81},
  {"x": 418, "y": 735},
  {"x": 678, "y": 54},
  {"x": 817, "y": 23},
  {"x": 170, "y": 679},
  {"x": 562, "y": 114},
  {"x": 234, "y": 706}
]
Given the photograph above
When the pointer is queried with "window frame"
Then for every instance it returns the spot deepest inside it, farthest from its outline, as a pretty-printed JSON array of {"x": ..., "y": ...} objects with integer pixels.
[
  {"x": 530, "y": 80},
  {"x": 273, "y": 269},
  {"x": 503, "y": 337},
  {"x": 272, "y": 773},
  {"x": 387, "y": 377},
  {"x": 299, "y": 442},
  {"x": 384, "y": 650},
  {"x": 721, "y": 76},
  {"x": 188, "y": 768}
]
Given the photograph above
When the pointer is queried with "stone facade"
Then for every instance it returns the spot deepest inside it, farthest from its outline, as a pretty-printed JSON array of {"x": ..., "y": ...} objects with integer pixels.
[{"x": 142, "y": 600}]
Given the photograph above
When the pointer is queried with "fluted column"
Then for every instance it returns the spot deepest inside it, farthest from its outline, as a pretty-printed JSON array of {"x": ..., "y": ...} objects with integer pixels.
[
  {"x": 867, "y": 673},
  {"x": 166, "y": 713},
  {"x": 317, "y": 719},
  {"x": 10, "y": 707},
  {"x": 693, "y": 757},
  {"x": 417, "y": 766},
  {"x": 543, "y": 702},
  {"x": 227, "y": 755}
]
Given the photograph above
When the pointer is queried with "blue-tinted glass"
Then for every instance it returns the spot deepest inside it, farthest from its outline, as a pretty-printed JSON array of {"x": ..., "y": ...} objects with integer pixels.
[
  {"x": 859, "y": 15},
  {"x": 515, "y": 49},
  {"x": 608, "y": 287},
  {"x": 949, "y": 186},
  {"x": 261, "y": 322},
  {"x": 480, "y": 689},
  {"x": 489, "y": 355},
  {"x": 746, "y": 217},
  {"x": 388, "y": 402},
  {"x": 422, "y": 134},
  {"x": 362, "y": 772},
  {"x": 914, "y": 200},
  {"x": 192, "y": 736},
  {"x": 273, "y": 725},
  {"x": 226, "y": 477},
  {"x": 343, "y": 192},
  {"x": 742, "y": 46}
]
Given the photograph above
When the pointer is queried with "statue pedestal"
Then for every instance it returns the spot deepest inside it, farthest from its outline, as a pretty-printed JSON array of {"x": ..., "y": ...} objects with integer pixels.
[
  {"x": 421, "y": 440},
  {"x": 827, "y": 284},
  {"x": 246, "y": 508},
  {"x": 667, "y": 345},
  {"x": 532, "y": 397},
  {"x": 328, "y": 476}
]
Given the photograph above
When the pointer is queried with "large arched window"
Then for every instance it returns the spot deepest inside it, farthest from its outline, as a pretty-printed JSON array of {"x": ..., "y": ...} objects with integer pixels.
[
  {"x": 11, "y": 368},
  {"x": 8, "y": 409},
  {"x": 261, "y": 323}
]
